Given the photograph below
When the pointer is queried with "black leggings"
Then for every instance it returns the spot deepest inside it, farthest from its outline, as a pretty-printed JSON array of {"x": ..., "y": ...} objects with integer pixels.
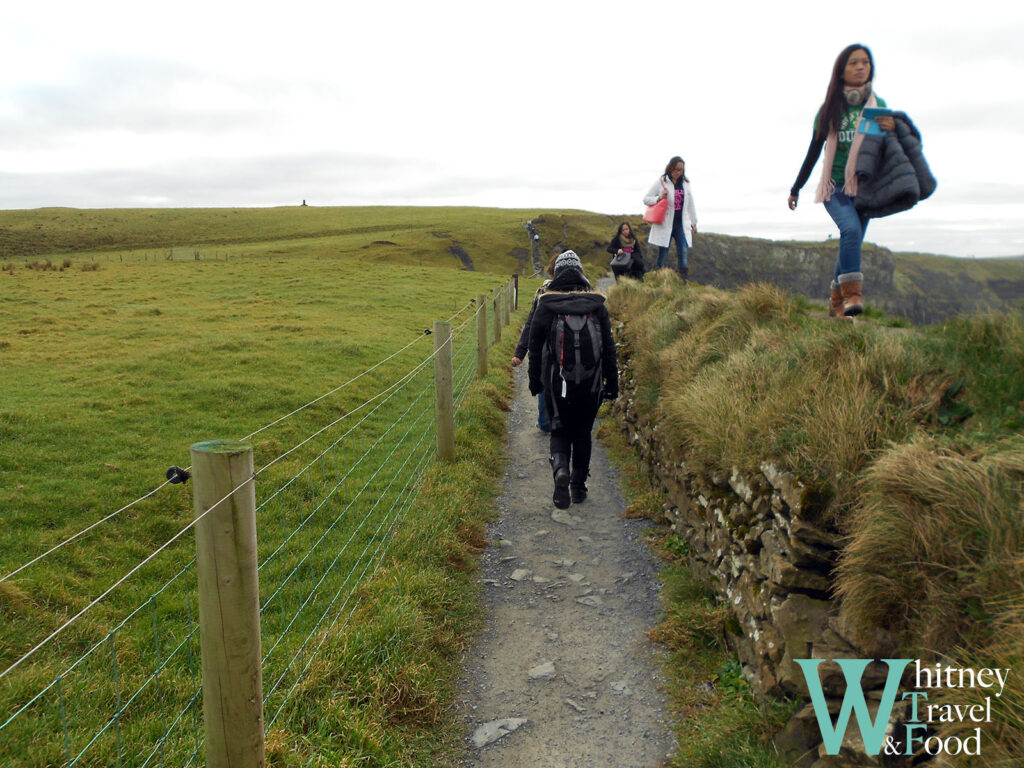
[{"x": 573, "y": 436}]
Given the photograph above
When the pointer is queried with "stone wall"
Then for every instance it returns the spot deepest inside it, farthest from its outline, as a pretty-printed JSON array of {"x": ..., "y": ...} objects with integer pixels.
[{"x": 760, "y": 542}]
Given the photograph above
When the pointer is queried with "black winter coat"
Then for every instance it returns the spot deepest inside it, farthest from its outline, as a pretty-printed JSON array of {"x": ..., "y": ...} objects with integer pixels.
[
  {"x": 892, "y": 174},
  {"x": 549, "y": 305}
]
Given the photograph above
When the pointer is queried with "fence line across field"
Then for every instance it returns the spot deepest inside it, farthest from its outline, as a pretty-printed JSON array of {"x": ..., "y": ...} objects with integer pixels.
[
  {"x": 196, "y": 520},
  {"x": 134, "y": 697},
  {"x": 251, "y": 435}
]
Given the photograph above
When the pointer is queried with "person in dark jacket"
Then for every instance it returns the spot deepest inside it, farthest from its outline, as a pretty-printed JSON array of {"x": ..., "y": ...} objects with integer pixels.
[
  {"x": 835, "y": 129},
  {"x": 572, "y": 412},
  {"x": 522, "y": 348},
  {"x": 625, "y": 248}
]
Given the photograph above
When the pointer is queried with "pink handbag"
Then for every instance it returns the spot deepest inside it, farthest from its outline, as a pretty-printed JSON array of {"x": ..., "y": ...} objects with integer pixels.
[{"x": 655, "y": 214}]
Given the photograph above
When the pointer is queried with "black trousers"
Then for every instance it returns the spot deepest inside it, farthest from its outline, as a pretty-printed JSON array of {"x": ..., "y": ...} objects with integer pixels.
[{"x": 573, "y": 434}]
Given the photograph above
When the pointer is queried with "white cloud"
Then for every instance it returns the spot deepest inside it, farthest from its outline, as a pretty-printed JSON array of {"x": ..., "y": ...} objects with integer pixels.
[{"x": 536, "y": 104}]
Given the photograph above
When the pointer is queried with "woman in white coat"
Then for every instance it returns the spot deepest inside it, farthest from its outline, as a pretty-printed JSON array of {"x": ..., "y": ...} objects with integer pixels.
[{"x": 680, "y": 220}]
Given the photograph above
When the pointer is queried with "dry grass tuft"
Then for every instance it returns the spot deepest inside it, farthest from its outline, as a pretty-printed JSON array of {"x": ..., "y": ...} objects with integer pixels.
[
  {"x": 936, "y": 543},
  {"x": 1003, "y": 738}
]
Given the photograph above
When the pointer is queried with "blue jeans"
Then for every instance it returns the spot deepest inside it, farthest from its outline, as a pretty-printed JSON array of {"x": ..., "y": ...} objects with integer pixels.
[
  {"x": 681, "y": 246},
  {"x": 543, "y": 422},
  {"x": 852, "y": 227}
]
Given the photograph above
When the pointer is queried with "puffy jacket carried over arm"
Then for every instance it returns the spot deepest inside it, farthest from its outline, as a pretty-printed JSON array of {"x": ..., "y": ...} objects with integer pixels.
[{"x": 892, "y": 174}]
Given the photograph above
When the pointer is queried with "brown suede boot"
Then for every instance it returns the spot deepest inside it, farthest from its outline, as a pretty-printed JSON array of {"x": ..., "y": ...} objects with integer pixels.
[
  {"x": 850, "y": 285},
  {"x": 835, "y": 301}
]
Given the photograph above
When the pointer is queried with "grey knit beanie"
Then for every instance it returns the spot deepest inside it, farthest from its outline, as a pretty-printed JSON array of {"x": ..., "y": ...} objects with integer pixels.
[{"x": 568, "y": 260}]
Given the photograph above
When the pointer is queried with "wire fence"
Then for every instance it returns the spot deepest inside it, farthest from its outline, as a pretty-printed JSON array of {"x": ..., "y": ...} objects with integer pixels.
[{"x": 121, "y": 683}]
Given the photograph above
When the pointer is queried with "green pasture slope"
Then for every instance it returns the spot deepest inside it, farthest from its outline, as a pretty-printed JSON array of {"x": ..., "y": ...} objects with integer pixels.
[
  {"x": 115, "y": 358},
  {"x": 492, "y": 239},
  {"x": 924, "y": 288}
]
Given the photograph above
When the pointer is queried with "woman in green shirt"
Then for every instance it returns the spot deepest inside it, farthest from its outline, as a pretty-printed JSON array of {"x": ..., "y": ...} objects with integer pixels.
[{"x": 835, "y": 129}]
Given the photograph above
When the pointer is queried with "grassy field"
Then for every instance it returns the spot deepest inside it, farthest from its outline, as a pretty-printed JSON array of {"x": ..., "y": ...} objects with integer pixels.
[
  {"x": 491, "y": 239},
  {"x": 111, "y": 369}
]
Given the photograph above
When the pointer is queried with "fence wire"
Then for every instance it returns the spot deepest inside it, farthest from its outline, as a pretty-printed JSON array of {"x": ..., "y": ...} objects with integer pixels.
[{"x": 122, "y": 686}]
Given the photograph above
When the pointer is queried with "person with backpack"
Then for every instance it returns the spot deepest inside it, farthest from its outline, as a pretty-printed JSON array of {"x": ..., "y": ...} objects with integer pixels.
[
  {"x": 573, "y": 362},
  {"x": 523, "y": 347}
]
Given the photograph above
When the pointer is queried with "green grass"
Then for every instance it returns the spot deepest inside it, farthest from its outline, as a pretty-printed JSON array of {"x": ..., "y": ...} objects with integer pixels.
[
  {"x": 110, "y": 374},
  {"x": 493, "y": 239},
  {"x": 752, "y": 375}
]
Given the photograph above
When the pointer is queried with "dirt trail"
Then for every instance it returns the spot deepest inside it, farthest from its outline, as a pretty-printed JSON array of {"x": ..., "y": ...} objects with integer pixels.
[{"x": 564, "y": 668}]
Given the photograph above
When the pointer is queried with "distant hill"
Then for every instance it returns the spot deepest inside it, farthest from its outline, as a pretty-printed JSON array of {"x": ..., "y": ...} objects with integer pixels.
[{"x": 923, "y": 288}]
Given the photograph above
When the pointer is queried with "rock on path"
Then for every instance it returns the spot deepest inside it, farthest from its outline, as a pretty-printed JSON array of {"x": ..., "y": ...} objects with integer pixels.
[{"x": 569, "y": 600}]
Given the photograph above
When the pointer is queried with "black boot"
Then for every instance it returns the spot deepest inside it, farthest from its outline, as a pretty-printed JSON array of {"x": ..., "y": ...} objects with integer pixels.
[
  {"x": 685, "y": 274},
  {"x": 578, "y": 484},
  {"x": 560, "y": 470},
  {"x": 578, "y": 493}
]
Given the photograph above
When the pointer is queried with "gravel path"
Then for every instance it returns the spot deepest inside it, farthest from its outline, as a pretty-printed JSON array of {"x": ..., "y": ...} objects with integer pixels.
[{"x": 564, "y": 674}]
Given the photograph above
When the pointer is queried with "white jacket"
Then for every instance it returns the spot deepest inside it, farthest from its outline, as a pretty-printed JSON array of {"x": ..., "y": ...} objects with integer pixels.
[{"x": 661, "y": 234}]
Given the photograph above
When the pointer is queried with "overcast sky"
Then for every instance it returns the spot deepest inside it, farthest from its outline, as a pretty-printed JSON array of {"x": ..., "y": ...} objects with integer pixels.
[{"x": 521, "y": 104}]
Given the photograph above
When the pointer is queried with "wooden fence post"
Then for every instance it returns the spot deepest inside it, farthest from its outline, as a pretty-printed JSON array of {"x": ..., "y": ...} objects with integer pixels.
[
  {"x": 507, "y": 305},
  {"x": 481, "y": 335},
  {"x": 443, "y": 396},
  {"x": 497, "y": 316},
  {"x": 229, "y": 603}
]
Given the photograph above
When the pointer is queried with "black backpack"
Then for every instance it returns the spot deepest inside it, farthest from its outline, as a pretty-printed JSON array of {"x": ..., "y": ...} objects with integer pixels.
[{"x": 574, "y": 349}]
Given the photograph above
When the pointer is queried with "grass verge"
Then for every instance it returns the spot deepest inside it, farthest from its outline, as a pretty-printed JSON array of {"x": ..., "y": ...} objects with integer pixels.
[{"x": 381, "y": 692}]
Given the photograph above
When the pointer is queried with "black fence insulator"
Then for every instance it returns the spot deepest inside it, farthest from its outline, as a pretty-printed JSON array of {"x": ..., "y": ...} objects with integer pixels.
[{"x": 178, "y": 475}]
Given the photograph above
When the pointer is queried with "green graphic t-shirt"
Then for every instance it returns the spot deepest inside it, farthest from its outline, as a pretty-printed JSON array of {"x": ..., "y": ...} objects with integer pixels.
[{"x": 847, "y": 130}]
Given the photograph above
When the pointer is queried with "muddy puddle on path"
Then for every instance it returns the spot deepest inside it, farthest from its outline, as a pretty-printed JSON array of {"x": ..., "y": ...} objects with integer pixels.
[{"x": 564, "y": 674}]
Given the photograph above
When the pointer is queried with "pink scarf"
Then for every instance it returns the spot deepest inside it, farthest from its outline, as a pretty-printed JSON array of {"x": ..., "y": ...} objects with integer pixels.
[{"x": 826, "y": 186}]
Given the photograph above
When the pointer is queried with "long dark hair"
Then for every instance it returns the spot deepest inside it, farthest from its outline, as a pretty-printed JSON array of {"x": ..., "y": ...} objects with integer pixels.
[
  {"x": 618, "y": 232},
  {"x": 832, "y": 108},
  {"x": 672, "y": 162}
]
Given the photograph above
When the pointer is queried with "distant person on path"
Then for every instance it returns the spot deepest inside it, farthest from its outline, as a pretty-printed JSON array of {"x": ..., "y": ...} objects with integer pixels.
[
  {"x": 681, "y": 219},
  {"x": 835, "y": 128},
  {"x": 627, "y": 258},
  {"x": 573, "y": 362},
  {"x": 522, "y": 348}
]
